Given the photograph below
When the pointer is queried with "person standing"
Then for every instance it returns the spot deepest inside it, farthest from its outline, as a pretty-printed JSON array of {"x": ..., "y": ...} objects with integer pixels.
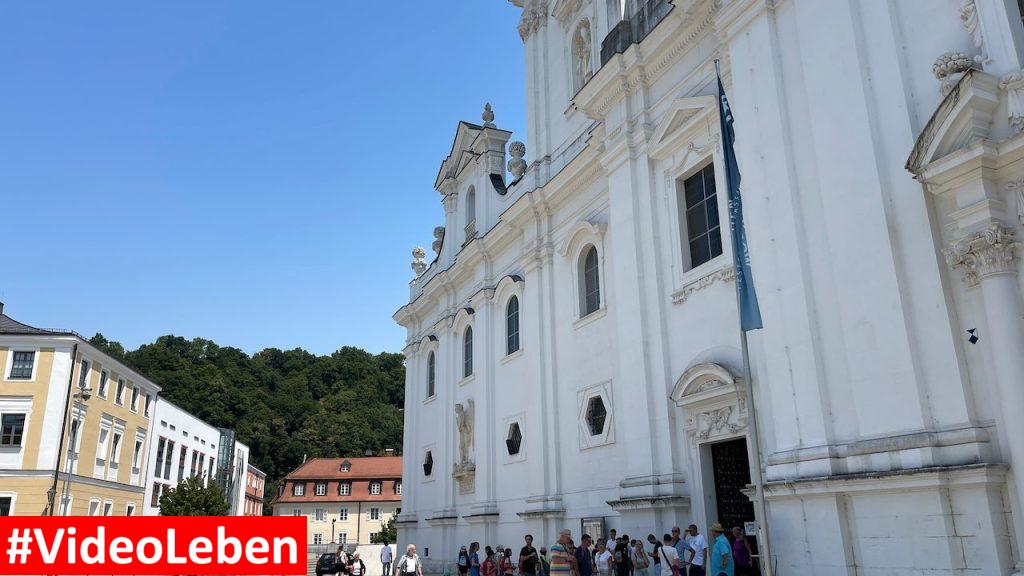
[
  {"x": 410, "y": 564},
  {"x": 671, "y": 565},
  {"x": 561, "y": 561},
  {"x": 545, "y": 567},
  {"x": 681, "y": 547},
  {"x": 528, "y": 559},
  {"x": 720, "y": 561},
  {"x": 742, "y": 554},
  {"x": 474, "y": 559},
  {"x": 489, "y": 567},
  {"x": 698, "y": 550},
  {"x": 463, "y": 561},
  {"x": 655, "y": 554},
  {"x": 507, "y": 567},
  {"x": 357, "y": 567},
  {"x": 638, "y": 556},
  {"x": 386, "y": 558},
  {"x": 584, "y": 557},
  {"x": 603, "y": 559}
]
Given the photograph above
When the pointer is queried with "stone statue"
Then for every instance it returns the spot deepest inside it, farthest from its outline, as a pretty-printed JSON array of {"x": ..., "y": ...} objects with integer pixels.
[
  {"x": 488, "y": 116},
  {"x": 517, "y": 166},
  {"x": 464, "y": 414},
  {"x": 581, "y": 51},
  {"x": 419, "y": 264},
  {"x": 438, "y": 239}
]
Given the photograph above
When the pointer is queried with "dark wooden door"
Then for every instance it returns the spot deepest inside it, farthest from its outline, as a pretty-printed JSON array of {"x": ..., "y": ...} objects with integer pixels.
[{"x": 732, "y": 474}]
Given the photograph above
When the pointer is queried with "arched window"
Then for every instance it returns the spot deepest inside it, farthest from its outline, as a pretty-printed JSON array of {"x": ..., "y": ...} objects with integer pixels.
[
  {"x": 431, "y": 366},
  {"x": 512, "y": 325},
  {"x": 582, "y": 69},
  {"x": 590, "y": 284},
  {"x": 467, "y": 352},
  {"x": 470, "y": 213}
]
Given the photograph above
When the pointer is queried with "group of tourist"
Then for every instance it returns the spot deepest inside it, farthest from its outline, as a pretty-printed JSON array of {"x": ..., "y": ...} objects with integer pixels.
[{"x": 674, "y": 554}]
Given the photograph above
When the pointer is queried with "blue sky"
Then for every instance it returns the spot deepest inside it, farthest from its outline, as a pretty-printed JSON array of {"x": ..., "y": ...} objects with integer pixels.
[{"x": 252, "y": 172}]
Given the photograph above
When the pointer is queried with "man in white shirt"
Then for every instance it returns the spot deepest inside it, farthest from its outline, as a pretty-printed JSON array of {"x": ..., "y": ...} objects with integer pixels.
[
  {"x": 698, "y": 550},
  {"x": 669, "y": 556},
  {"x": 386, "y": 558}
]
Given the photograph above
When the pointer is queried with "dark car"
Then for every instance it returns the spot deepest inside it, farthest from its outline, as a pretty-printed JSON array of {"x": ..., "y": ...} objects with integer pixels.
[{"x": 328, "y": 564}]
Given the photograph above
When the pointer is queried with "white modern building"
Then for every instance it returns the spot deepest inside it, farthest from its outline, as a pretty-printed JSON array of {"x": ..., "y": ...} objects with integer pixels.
[
  {"x": 573, "y": 353},
  {"x": 183, "y": 447}
]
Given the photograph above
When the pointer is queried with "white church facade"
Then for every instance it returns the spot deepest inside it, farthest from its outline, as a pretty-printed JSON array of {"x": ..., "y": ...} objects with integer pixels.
[{"x": 573, "y": 351}]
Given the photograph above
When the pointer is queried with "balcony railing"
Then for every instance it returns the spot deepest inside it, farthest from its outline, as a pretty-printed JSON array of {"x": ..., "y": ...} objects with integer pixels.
[{"x": 634, "y": 29}]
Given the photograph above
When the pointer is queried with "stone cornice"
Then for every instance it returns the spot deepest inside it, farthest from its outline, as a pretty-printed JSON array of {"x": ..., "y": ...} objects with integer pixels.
[{"x": 649, "y": 503}]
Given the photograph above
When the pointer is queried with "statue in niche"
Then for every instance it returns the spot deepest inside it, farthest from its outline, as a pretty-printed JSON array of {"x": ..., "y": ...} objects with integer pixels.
[
  {"x": 581, "y": 54},
  {"x": 464, "y": 414}
]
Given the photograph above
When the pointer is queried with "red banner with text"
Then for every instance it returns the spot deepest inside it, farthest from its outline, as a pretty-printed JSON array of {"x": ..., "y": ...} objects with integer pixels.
[{"x": 153, "y": 545}]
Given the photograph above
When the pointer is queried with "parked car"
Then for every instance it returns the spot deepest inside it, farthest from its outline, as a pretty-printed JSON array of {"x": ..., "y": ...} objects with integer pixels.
[{"x": 328, "y": 564}]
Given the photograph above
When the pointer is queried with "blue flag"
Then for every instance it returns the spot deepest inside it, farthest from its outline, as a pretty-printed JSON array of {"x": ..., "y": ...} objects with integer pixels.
[{"x": 750, "y": 313}]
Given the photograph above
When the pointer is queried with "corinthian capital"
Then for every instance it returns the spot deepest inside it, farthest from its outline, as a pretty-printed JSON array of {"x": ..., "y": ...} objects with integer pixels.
[
  {"x": 535, "y": 15},
  {"x": 990, "y": 252}
]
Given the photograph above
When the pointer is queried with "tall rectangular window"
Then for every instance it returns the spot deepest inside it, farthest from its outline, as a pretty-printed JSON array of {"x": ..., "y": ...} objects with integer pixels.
[
  {"x": 12, "y": 429},
  {"x": 374, "y": 513},
  {"x": 135, "y": 399},
  {"x": 21, "y": 365},
  {"x": 321, "y": 488},
  {"x": 181, "y": 462},
  {"x": 145, "y": 405},
  {"x": 137, "y": 454},
  {"x": 83, "y": 374},
  {"x": 343, "y": 514},
  {"x": 702, "y": 236},
  {"x": 5, "y": 505},
  {"x": 119, "y": 398},
  {"x": 169, "y": 458},
  {"x": 160, "y": 455},
  {"x": 319, "y": 514},
  {"x": 103, "y": 383},
  {"x": 344, "y": 489},
  {"x": 115, "y": 448}
]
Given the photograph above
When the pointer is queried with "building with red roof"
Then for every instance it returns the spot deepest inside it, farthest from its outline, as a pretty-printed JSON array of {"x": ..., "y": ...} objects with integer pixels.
[{"x": 345, "y": 500}]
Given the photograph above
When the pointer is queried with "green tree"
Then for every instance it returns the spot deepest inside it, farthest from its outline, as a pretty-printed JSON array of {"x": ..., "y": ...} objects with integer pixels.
[
  {"x": 284, "y": 404},
  {"x": 388, "y": 533},
  {"x": 192, "y": 498}
]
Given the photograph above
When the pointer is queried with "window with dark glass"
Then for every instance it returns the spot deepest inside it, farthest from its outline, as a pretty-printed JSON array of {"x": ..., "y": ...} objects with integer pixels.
[
  {"x": 168, "y": 459},
  {"x": 21, "y": 365},
  {"x": 12, "y": 428},
  {"x": 467, "y": 352},
  {"x": 428, "y": 464},
  {"x": 83, "y": 374},
  {"x": 514, "y": 440},
  {"x": 344, "y": 488},
  {"x": 103, "y": 383},
  {"x": 298, "y": 489},
  {"x": 703, "y": 237},
  {"x": 512, "y": 326},
  {"x": 591, "y": 300},
  {"x": 596, "y": 415},
  {"x": 431, "y": 367},
  {"x": 5, "y": 505}
]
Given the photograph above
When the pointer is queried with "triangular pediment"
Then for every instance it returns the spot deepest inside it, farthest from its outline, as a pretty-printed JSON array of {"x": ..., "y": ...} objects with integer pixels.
[
  {"x": 963, "y": 117},
  {"x": 684, "y": 114},
  {"x": 461, "y": 153}
]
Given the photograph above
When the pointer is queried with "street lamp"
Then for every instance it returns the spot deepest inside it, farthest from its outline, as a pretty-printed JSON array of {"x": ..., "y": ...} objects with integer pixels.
[{"x": 333, "y": 520}]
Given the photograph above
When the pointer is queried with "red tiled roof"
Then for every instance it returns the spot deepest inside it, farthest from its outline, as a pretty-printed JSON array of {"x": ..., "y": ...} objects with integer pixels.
[
  {"x": 362, "y": 471},
  {"x": 370, "y": 468}
]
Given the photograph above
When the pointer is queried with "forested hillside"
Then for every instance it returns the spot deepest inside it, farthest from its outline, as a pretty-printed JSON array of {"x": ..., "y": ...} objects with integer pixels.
[{"x": 283, "y": 404}]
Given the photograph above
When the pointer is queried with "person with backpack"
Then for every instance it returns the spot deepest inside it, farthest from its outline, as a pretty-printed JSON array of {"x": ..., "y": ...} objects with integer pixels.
[
  {"x": 410, "y": 564},
  {"x": 463, "y": 561}
]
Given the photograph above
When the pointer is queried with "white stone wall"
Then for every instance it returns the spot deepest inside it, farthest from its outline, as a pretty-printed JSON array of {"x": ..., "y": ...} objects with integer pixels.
[{"x": 889, "y": 438}]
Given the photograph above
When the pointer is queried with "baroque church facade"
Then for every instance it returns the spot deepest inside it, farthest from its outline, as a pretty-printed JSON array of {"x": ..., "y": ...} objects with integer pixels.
[{"x": 573, "y": 352}]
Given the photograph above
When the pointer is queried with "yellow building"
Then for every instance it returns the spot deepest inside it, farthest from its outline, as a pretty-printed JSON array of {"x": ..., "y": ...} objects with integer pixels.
[
  {"x": 344, "y": 500},
  {"x": 56, "y": 385}
]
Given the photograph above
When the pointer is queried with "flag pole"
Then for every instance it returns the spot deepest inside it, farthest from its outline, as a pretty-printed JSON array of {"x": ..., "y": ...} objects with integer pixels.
[{"x": 744, "y": 287}]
